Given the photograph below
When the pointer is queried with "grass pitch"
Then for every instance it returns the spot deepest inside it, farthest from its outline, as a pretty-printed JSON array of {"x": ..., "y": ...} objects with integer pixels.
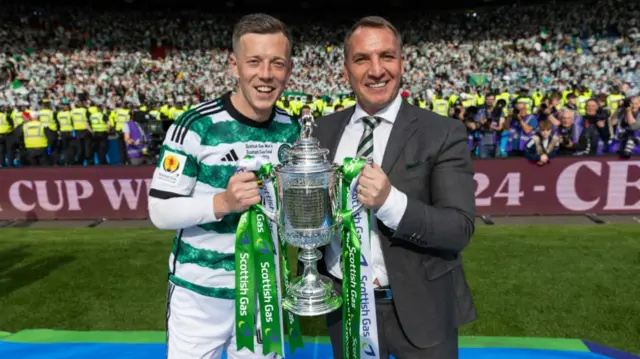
[{"x": 533, "y": 281}]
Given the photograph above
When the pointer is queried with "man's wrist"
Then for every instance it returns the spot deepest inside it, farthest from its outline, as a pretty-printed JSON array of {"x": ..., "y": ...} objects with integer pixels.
[
  {"x": 220, "y": 205},
  {"x": 393, "y": 208}
]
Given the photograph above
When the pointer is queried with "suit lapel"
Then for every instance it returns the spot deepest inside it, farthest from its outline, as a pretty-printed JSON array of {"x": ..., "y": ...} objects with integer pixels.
[
  {"x": 403, "y": 128},
  {"x": 337, "y": 135}
]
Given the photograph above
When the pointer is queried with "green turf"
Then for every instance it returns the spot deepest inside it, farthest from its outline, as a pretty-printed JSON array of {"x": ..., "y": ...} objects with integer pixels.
[
  {"x": 67, "y": 336},
  {"x": 541, "y": 282}
]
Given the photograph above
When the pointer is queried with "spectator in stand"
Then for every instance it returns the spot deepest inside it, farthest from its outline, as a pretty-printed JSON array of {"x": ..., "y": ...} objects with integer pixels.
[{"x": 543, "y": 145}]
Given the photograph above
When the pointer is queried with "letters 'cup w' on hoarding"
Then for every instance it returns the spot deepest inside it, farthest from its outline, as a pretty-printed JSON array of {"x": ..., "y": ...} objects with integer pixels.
[{"x": 111, "y": 192}]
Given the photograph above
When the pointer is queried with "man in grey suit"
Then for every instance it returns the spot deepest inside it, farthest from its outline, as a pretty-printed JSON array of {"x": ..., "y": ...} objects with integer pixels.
[{"x": 421, "y": 191}]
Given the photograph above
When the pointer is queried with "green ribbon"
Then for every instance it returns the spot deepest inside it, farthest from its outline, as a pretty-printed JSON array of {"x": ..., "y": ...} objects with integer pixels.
[
  {"x": 351, "y": 255},
  {"x": 268, "y": 299},
  {"x": 255, "y": 269},
  {"x": 255, "y": 266},
  {"x": 245, "y": 285}
]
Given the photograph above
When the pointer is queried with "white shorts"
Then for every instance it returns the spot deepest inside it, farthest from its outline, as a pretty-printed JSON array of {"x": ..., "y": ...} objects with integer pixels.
[{"x": 201, "y": 327}]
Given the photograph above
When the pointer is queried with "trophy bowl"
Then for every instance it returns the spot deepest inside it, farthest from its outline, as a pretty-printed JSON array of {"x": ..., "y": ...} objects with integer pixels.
[{"x": 307, "y": 219}]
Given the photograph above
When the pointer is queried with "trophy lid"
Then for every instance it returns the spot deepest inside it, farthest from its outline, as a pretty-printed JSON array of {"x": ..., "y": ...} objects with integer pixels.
[{"x": 306, "y": 155}]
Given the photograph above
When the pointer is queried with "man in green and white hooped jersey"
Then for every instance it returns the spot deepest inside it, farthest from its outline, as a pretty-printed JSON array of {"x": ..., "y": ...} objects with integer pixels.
[{"x": 196, "y": 190}]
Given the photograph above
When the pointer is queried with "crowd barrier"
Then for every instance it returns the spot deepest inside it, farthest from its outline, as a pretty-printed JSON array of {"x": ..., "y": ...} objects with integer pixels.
[{"x": 515, "y": 186}]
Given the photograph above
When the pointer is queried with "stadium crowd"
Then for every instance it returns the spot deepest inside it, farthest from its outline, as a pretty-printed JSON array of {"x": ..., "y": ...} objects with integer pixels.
[{"x": 86, "y": 74}]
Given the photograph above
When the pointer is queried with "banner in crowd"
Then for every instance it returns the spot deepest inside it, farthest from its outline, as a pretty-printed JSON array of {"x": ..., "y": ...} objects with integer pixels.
[
  {"x": 478, "y": 79},
  {"x": 603, "y": 185}
]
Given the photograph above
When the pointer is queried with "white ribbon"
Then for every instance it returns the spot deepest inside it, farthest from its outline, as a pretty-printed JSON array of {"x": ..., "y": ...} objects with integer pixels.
[{"x": 368, "y": 319}]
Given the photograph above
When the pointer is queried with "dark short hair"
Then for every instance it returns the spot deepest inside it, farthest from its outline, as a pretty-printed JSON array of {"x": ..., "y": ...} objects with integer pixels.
[
  {"x": 376, "y": 22},
  {"x": 259, "y": 24},
  {"x": 545, "y": 125}
]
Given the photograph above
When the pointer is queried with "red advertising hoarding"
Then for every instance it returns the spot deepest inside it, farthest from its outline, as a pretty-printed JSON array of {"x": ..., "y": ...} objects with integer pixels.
[{"x": 603, "y": 185}]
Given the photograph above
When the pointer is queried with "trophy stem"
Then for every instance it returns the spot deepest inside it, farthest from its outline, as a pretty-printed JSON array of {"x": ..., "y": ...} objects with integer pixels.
[
  {"x": 310, "y": 257},
  {"x": 311, "y": 294}
]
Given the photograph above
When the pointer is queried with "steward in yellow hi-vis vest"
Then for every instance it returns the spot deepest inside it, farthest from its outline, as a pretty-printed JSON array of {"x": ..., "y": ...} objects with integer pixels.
[
  {"x": 100, "y": 139},
  {"x": 18, "y": 116},
  {"x": 6, "y": 139},
  {"x": 82, "y": 133},
  {"x": 614, "y": 99},
  {"x": 66, "y": 134},
  {"x": 35, "y": 136},
  {"x": 123, "y": 116},
  {"x": 440, "y": 106},
  {"x": 47, "y": 117}
]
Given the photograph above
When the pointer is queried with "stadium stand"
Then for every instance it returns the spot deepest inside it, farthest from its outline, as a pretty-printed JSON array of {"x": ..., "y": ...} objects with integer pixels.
[{"x": 153, "y": 65}]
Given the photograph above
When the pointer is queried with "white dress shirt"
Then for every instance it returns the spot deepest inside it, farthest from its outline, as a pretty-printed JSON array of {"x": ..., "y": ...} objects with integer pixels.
[{"x": 393, "y": 208}]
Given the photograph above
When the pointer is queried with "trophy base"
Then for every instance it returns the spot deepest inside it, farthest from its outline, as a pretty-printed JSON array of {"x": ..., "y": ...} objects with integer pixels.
[
  {"x": 312, "y": 294},
  {"x": 310, "y": 297}
]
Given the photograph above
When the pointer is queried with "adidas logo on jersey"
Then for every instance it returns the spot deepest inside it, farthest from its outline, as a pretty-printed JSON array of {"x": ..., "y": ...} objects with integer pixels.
[{"x": 230, "y": 157}]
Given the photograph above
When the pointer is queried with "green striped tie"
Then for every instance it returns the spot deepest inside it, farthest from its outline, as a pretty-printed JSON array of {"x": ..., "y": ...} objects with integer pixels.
[{"x": 365, "y": 147}]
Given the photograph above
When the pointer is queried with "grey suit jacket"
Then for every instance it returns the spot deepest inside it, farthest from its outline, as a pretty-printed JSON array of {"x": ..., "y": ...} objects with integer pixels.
[{"x": 427, "y": 159}]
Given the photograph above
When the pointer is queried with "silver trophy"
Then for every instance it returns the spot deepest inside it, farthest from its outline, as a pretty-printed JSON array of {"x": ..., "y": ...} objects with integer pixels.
[{"x": 308, "y": 218}]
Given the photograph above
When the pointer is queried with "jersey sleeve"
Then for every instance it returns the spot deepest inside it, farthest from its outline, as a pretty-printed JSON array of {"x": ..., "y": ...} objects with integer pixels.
[
  {"x": 177, "y": 169},
  {"x": 172, "y": 203}
]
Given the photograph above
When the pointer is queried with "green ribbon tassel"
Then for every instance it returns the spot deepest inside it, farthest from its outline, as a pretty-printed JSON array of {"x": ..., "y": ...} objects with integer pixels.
[
  {"x": 267, "y": 284},
  {"x": 351, "y": 255},
  {"x": 245, "y": 285}
]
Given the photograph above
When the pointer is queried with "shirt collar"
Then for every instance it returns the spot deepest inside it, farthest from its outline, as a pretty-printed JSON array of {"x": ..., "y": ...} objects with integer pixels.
[{"x": 388, "y": 113}]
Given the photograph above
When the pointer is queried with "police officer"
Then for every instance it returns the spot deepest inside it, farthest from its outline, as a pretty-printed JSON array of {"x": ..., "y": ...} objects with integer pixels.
[
  {"x": 155, "y": 111},
  {"x": 46, "y": 116},
  {"x": 82, "y": 129},
  {"x": 18, "y": 117},
  {"x": 66, "y": 134},
  {"x": 122, "y": 116},
  {"x": 523, "y": 97},
  {"x": 439, "y": 105},
  {"x": 6, "y": 128},
  {"x": 34, "y": 135},
  {"x": 287, "y": 107},
  {"x": 100, "y": 138}
]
